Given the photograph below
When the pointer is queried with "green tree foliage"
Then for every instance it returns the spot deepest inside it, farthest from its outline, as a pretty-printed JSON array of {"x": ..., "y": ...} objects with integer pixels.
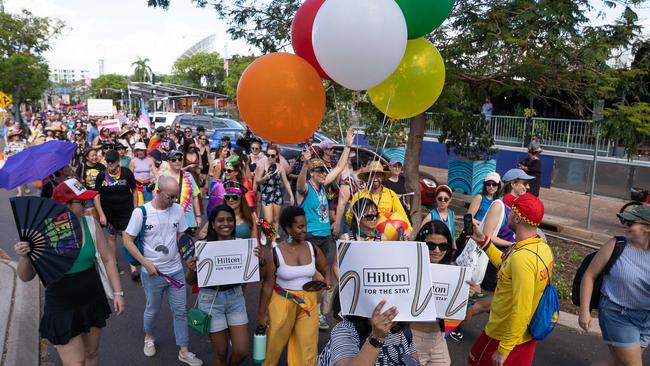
[
  {"x": 108, "y": 81},
  {"x": 141, "y": 71},
  {"x": 201, "y": 70},
  {"x": 23, "y": 70},
  {"x": 236, "y": 66}
]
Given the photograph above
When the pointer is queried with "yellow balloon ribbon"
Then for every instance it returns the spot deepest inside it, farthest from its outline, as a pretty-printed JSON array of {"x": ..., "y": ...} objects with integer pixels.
[{"x": 415, "y": 85}]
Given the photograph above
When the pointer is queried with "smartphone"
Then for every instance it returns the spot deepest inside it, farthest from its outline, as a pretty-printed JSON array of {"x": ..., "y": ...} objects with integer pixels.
[{"x": 468, "y": 224}]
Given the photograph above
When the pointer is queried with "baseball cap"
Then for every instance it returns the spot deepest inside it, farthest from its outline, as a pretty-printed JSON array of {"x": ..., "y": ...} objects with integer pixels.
[
  {"x": 111, "y": 155},
  {"x": 325, "y": 145},
  {"x": 174, "y": 153},
  {"x": 139, "y": 146},
  {"x": 637, "y": 213},
  {"x": 493, "y": 176},
  {"x": 157, "y": 155},
  {"x": 394, "y": 161},
  {"x": 516, "y": 174},
  {"x": 71, "y": 189},
  {"x": 160, "y": 129}
]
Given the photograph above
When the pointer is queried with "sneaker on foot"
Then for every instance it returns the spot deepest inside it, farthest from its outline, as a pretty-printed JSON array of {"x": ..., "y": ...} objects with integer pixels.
[
  {"x": 149, "y": 347},
  {"x": 322, "y": 322},
  {"x": 189, "y": 358},
  {"x": 457, "y": 336}
]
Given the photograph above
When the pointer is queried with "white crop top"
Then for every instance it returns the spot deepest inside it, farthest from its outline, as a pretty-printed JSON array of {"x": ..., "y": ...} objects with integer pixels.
[{"x": 294, "y": 277}]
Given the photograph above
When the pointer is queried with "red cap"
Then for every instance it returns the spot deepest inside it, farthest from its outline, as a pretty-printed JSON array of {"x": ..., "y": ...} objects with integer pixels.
[
  {"x": 71, "y": 189},
  {"x": 508, "y": 199},
  {"x": 529, "y": 208}
]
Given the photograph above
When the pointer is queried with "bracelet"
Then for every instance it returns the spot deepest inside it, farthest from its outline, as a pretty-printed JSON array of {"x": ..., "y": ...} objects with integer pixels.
[
  {"x": 486, "y": 242},
  {"x": 118, "y": 293}
]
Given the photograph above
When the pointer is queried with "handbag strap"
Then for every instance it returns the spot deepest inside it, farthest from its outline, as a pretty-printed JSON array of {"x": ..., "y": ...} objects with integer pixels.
[{"x": 216, "y": 292}]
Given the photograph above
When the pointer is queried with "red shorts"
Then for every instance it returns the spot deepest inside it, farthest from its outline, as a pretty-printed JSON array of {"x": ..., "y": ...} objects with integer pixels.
[{"x": 481, "y": 353}]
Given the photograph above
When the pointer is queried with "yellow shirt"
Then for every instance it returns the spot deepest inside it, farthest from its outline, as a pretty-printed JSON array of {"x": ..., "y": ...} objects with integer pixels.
[
  {"x": 386, "y": 201},
  {"x": 521, "y": 281}
]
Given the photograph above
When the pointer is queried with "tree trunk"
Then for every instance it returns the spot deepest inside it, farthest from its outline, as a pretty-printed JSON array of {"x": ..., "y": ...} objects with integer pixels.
[
  {"x": 17, "y": 104},
  {"x": 412, "y": 167}
]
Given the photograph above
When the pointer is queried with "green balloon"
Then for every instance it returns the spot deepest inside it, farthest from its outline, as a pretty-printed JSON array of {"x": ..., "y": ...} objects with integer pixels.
[{"x": 423, "y": 16}]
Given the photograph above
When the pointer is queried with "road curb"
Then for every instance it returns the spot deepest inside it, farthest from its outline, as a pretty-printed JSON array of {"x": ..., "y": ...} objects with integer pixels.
[
  {"x": 571, "y": 321},
  {"x": 22, "y": 342}
]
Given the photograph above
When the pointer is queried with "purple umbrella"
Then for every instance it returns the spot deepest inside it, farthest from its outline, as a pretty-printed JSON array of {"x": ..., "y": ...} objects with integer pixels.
[{"x": 35, "y": 163}]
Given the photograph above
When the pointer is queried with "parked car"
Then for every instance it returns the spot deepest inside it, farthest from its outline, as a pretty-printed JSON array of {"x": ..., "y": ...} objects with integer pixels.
[{"x": 163, "y": 118}]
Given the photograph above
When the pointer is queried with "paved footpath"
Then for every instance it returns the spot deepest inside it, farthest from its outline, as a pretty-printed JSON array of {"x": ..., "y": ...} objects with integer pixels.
[{"x": 121, "y": 343}]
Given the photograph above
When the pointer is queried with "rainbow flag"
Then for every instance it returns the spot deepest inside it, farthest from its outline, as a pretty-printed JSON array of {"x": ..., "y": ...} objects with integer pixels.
[
  {"x": 154, "y": 143},
  {"x": 451, "y": 325}
]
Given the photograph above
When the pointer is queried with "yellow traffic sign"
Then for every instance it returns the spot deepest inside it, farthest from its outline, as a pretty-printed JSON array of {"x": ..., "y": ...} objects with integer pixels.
[{"x": 5, "y": 100}]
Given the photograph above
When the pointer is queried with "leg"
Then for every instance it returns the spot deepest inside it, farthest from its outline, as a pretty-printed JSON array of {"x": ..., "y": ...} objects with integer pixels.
[
  {"x": 303, "y": 343},
  {"x": 91, "y": 346},
  {"x": 154, "y": 288},
  {"x": 219, "y": 342},
  {"x": 177, "y": 303},
  {"x": 276, "y": 215},
  {"x": 240, "y": 344},
  {"x": 267, "y": 212},
  {"x": 627, "y": 356},
  {"x": 282, "y": 317},
  {"x": 72, "y": 353}
]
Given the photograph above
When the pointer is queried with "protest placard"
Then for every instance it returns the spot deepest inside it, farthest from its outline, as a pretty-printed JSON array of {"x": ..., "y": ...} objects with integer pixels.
[
  {"x": 226, "y": 262},
  {"x": 100, "y": 107},
  {"x": 450, "y": 290},
  {"x": 397, "y": 272}
]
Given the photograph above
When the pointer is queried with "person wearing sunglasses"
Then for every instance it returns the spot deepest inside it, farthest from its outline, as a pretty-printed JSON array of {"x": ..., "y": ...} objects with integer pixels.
[
  {"x": 256, "y": 154},
  {"x": 82, "y": 145},
  {"x": 430, "y": 337},
  {"x": 76, "y": 306},
  {"x": 190, "y": 192},
  {"x": 624, "y": 308},
  {"x": 442, "y": 212},
  {"x": 481, "y": 202},
  {"x": 364, "y": 222},
  {"x": 269, "y": 175},
  {"x": 192, "y": 161},
  {"x": 225, "y": 304}
]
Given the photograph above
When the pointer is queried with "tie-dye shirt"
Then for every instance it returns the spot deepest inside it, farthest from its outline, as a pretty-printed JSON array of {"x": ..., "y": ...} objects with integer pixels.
[{"x": 189, "y": 190}]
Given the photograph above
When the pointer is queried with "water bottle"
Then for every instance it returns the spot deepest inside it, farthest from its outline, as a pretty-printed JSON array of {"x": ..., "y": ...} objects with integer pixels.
[{"x": 259, "y": 345}]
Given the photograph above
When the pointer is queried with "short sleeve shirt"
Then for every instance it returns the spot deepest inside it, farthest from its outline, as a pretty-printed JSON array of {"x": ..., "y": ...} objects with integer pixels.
[
  {"x": 344, "y": 343},
  {"x": 160, "y": 235},
  {"x": 116, "y": 194}
]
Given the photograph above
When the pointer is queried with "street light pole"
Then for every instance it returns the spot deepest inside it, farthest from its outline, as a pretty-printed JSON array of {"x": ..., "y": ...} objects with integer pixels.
[{"x": 598, "y": 116}]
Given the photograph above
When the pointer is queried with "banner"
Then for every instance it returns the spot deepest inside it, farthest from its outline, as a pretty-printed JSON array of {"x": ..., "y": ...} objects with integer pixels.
[
  {"x": 450, "y": 290},
  {"x": 397, "y": 272},
  {"x": 227, "y": 262},
  {"x": 100, "y": 107},
  {"x": 111, "y": 124}
]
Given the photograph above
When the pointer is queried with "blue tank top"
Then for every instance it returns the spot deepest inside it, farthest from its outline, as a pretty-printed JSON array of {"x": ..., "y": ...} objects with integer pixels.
[
  {"x": 317, "y": 211},
  {"x": 243, "y": 230},
  {"x": 483, "y": 209},
  {"x": 450, "y": 221}
]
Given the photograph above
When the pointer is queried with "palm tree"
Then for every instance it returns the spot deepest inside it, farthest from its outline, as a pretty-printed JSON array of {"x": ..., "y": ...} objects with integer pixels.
[{"x": 142, "y": 71}]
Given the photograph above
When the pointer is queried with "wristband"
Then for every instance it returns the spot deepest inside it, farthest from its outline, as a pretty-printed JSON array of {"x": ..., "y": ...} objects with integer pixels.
[
  {"x": 486, "y": 242},
  {"x": 118, "y": 293}
]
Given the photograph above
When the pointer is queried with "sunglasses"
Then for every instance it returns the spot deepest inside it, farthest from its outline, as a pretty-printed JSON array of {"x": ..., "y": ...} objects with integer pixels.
[
  {"x": 491, "y": 184},
  {"x": 173, "y": 160},
  {"x": 441, "y": 246},
  {"x": 272, "y": 156},
  {"x": 230, "y": 171},
  {"x": 319, "y": 170},
  {"x": 371, "y": 217},
  {"x": 626, "y": 222},
  {"x": 81, "y": 202},
  {"x": 255, "y": 148},
  {"x": 169, "y": 196},
  {"x": 203, "y": 139},
  {"x": 231, "y": 197},
  {"x": 443, "y": 199}
]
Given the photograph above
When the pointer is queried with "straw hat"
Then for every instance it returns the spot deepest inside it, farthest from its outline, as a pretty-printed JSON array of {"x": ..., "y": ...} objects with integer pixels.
[
  {"x": 14, "y": 133},
  {"x": 375, "y": 167}
]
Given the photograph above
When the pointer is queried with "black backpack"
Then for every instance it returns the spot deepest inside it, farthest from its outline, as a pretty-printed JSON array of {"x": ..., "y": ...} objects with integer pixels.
[{"x": 598, "y": 282}]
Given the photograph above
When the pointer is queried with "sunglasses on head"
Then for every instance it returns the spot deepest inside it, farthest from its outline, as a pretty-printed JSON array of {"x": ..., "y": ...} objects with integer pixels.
[
  {"x": 173, "y": 160},
  {"x": 441, "y": 246},
  {"x": 231, "y": 197},
  {"x": 443, "y": 199},
  {"x": 491, "y": 184},
  {"x": 371, "y": 217},
  {"x": 319, "y": 170}
]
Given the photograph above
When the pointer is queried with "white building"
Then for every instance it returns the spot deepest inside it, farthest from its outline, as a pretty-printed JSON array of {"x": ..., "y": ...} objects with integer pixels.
[{"x": 68, "y": 75}]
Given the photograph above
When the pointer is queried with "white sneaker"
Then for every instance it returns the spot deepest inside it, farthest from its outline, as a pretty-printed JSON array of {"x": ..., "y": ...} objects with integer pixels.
[
  {"x": 149, "y": 347},
  {"x": 189, "y": 358}
]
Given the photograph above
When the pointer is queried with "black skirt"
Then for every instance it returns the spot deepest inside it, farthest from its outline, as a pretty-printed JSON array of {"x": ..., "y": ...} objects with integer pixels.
[{"x": 73, "y": 305}]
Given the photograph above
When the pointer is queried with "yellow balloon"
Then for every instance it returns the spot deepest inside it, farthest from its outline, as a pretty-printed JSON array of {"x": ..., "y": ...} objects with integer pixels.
[{"x": 415, "y": 85}]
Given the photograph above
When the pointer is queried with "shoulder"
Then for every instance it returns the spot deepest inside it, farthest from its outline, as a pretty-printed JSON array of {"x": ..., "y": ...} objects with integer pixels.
[{"x": 345, "y": 330}]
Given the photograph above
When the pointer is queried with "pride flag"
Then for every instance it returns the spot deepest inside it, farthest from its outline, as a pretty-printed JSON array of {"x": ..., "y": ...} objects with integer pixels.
[{"x": 143, "y": 120}]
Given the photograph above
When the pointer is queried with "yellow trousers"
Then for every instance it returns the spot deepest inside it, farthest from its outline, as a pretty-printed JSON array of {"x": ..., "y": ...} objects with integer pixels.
[{"x": 288, "y": 323}]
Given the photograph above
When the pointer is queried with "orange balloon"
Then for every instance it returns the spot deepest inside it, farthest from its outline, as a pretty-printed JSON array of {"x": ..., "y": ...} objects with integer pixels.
[{"x": 281, "y": 98}]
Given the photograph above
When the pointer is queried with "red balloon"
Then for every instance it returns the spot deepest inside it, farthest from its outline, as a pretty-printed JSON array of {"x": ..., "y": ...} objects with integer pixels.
[{"x": 301, "y": 28}]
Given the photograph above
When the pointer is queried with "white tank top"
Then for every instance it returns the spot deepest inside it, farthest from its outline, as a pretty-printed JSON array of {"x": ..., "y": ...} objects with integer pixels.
[{"x": 294, "y": 277}]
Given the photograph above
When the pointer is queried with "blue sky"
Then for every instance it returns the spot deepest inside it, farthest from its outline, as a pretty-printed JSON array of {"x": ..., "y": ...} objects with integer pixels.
[{"x": 119, "y": 31}]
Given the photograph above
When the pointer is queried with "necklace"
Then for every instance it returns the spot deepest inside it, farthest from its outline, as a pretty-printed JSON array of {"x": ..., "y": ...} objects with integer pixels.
[{"x": 322, "y": 211}]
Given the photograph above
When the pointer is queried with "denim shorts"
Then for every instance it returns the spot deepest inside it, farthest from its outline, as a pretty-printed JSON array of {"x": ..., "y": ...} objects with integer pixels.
[
  {"x": 228, "y": 309},
  {"x": 623, "y": 327}
]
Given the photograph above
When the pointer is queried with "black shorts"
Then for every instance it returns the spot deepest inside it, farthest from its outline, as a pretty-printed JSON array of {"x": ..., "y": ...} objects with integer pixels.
[{"x": 326, "y": 244}]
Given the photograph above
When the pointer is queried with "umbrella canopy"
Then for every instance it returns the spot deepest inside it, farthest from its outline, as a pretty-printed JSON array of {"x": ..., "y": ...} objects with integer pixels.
[{"x": 35, "y": 163}]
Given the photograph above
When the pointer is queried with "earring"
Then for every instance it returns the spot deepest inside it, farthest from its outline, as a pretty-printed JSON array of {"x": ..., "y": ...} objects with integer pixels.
[{"x": 290, "y": 239}]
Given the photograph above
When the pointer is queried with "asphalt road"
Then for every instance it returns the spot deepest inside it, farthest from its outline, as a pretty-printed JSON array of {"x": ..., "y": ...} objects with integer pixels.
[{"x": 121, "y": 343}]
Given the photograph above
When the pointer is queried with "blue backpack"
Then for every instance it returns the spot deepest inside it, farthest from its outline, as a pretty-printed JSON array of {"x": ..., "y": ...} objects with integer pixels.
[
  {"x": 548, "y": 309},
  {"x": 138, "y": 240}
]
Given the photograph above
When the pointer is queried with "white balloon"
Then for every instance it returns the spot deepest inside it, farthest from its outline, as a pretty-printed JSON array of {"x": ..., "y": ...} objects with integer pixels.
[{"x": 359, "y": 43}]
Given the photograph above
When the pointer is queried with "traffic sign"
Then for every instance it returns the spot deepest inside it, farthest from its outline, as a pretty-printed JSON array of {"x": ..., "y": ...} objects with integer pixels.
[{"x": 5, "y": 100}]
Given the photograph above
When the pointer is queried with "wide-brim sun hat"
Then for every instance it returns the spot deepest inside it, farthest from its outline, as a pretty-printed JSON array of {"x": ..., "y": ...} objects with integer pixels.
[
  {"x": 140, "y": 146},
  {"x": 375, "y": 167}
]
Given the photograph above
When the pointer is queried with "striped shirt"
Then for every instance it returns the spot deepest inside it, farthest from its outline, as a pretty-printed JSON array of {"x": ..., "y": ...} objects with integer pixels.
[
  {"x": 628, "y": 282},
  {"x": 344, "y": 343}
]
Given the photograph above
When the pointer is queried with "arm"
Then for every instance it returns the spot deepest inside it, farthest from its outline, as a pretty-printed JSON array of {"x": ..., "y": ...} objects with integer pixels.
[
  {"x": 266, "y": 290},
  {"x": 397, "y": 207},
  {"x": 484, "y": 242},
  {"x": 491, "y": 223},
  {"x": 524, "y": 278},
  {"x": 334, "y": 173},
  {"x": 25, "y": 269},
  {"x": 190, "y": 276},
  {"x": 301, "y": 184},
  {"x": 100, "y": 212},
  {"x": 323, "y": 267},
  {"x": 595, "y": 268},
  {"x": 260, "y": 177},
  {"x": 287, "y": 186},
  {"x": 107, "y": 255},
  {"x": 344, "y": 197},
  {"x": 135, "y": 225},
  {"x": 475, "y": 205}
]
